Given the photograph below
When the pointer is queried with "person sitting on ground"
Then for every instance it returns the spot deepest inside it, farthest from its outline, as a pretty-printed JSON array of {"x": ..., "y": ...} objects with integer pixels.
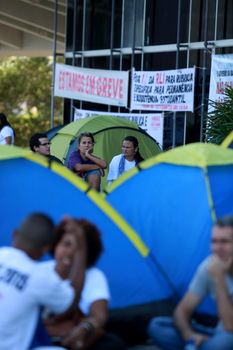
[
  {"x": 26, "y": 284},
  {"x": 85, "y": 329},
  {"x": 129, "y": 158},
  {"x": 214, "y": 277},
  {"x": 85, "y": 164},
  {"x": 6, "y": 131},
  {"x": 39, "y": 143}
]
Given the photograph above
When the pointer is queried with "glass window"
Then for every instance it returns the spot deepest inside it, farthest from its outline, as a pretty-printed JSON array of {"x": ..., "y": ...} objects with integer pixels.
[
  {"x": 97, "y": 24},
  {"x": 133, "y": 10},
  {"x": 225, "y": 20},
  {"x": 161, "y": 22},
  {"x": 199, "y": 20}
]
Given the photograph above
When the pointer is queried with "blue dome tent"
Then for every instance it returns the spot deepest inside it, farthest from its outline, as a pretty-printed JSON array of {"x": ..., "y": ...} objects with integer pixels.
[
  {"x": 172, "y": 200},
  {"x": 30, "y": 183}
]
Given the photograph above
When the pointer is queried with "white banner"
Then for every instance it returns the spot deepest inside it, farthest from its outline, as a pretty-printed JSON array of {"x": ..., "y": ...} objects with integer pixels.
[
  {"x": 151, "y": 123},
  {"x": 221, "y": 77},
  {"x": 93, "y": 85},
  {"x": 170, "y": 90}
]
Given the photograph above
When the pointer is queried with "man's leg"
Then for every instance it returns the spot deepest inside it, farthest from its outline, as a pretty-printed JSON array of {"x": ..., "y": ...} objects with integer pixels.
[
  {"x": 221, "y": 340},
  {"x": 94, "y": 179},
  {"x": 163, "y": 333}
]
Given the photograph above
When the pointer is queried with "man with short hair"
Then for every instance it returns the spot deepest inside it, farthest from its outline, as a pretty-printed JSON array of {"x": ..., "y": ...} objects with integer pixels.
[
  {"x": 26, "y": 284},
  {"x": 214, "y": 277},
  {"x": 39, "y": 143}
]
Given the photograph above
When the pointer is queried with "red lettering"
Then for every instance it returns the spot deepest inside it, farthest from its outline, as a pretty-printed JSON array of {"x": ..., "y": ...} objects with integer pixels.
[
  {"x": 99, "y": 87},
  {"x": 115, "y": 87},
  {"x": 110, "y": 80},
  {"x": 121, "y": 89},
  {"x": 61, "y": 80},
  {"x": 160, "y": 78}
]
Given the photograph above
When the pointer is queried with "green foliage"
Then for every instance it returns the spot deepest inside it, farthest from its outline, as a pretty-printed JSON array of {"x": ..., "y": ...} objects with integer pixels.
[
  {"x": 25, "y": 95},
  {"x": 220, "y": 120}
]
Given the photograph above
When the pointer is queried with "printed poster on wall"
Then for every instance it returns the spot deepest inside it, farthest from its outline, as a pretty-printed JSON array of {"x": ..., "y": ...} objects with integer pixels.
[
  {"x": 151, "y": 123},
  {"x": 170, "y": 90},
  {"x": 93, "y": 85},
  {"x": 221, "y": 76}
]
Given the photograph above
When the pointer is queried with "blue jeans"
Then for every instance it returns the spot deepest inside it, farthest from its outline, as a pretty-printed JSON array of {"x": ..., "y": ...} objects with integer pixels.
[{"x": 165, "y": 335}]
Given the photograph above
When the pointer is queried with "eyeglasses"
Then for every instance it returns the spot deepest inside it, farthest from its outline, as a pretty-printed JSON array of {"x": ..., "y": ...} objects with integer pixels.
[{"x": 45, "y": 144}]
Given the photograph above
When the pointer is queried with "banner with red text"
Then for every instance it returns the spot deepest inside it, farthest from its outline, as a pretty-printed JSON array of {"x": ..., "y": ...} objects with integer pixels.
[
  {"x": 92, "y": 85},
  {"x": 151, "y": 123},
  {"x": 221, "y": 76},
  {"x": 170, "y": 90}
]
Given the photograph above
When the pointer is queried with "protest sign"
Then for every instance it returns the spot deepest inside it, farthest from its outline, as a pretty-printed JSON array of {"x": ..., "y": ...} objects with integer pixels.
[
  {"x": 151, "y": 123},
  {"x": 171, "y": 90},
  {"x": 93, "y": 85},
  {"x": 221, "y": 77}
]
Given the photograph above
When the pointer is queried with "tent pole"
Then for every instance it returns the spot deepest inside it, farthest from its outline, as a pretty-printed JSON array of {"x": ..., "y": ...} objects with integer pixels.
[
  {"x": 177, "y": 66},
  {"x": 134, "y": 33},
  {"x": 73, "y": 54},
  {"x": 111, "y": 40},
  {"x": 204, "y": 71},
  {"x": 54, "y": 64}
]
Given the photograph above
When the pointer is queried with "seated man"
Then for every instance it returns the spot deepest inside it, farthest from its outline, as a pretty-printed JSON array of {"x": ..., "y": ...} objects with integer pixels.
[
  {"x": 39, "y": 143},
  {"x": 214, "y": 277},
  {"x": 26, "y": 284}
]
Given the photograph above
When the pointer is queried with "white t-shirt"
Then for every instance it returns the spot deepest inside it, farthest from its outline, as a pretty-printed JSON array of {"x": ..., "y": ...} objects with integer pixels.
[
  {"x": 25, "y": 285},
  {"x": 114, "y": 167},
  {"x": 6, "y": 131},
  {"x": 95, "y": 287}
]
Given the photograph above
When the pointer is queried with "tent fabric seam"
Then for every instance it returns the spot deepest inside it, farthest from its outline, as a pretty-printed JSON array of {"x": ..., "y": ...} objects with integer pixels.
[{"x": 128, "y": 231}]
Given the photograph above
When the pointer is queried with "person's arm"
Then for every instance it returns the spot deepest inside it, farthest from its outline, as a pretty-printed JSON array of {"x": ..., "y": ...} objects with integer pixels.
[
  {"x": 77, "y": 272},
  {"x": 80, "y": 168},
  {"x": 98, "y": 161},
  {"x": 182, "y": 317},
  {"x": 217, "y": 269},
  {"x": 90, "y": 328},
  {"x": 113, "y": 166}
]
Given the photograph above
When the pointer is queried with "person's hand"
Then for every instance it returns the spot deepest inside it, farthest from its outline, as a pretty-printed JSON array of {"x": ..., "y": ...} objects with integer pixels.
[
  {"x": 88, "y": 152},
  {"x": 199, "y": 338},
  {"x": 102, "y": 172},
  {"x": 71, "y": 226},
  {"x": 218, "y": 267},
  {"x": 76, "y": 339},
  {"x": 78, "y": 168}
]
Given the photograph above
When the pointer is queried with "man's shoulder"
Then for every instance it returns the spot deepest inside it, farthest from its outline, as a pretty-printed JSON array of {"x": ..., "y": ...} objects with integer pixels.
[
  {"x": 204, "y": 263},
  {"x": 116, "y": 158},
  {"x": 55, "y": 159}
]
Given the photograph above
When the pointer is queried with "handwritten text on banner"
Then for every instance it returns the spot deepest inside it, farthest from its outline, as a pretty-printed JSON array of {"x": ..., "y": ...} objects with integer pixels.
[
  {"x": 151, "y": 123},
  {"x": 221, "y": 77},
  {"x": 171, "y": 90}
]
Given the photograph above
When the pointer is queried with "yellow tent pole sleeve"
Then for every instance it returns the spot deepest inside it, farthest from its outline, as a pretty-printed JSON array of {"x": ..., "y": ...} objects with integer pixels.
[
  {"x": 118, "y": 220},
  {"x": 124, "y": 227},
  {"x": 209, "y": 194},
  {"x": 226, "y": 142}
]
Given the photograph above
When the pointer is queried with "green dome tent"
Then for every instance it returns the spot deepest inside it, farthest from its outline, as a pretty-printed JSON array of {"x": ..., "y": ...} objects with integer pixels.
[{"x": 108, "y": 132}]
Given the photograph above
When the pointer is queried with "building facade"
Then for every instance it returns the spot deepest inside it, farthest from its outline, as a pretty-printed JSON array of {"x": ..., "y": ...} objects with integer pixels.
[{"x": 151, "y": 35}]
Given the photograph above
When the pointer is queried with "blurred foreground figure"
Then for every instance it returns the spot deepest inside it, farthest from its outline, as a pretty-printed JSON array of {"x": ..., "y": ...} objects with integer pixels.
[
  {"x": 214, "y": 277},
  {"x": 26, "y": 284}
]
